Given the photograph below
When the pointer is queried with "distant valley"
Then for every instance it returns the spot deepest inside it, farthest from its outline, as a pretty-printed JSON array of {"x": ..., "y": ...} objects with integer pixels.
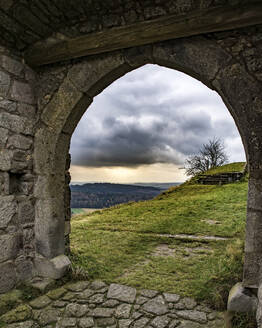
[{"x": 103, "y": 195}]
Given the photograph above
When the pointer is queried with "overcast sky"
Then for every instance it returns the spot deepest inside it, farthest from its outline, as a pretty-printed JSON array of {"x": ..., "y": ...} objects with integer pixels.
[{"x": 144, "y": 125}]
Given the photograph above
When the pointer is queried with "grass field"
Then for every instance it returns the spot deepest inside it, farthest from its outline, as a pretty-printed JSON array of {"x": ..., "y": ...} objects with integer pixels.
[
  {"x": 233, "y": 167},
  {"x": 122, "y": 244},
  {"x": 77, "y": 211}
]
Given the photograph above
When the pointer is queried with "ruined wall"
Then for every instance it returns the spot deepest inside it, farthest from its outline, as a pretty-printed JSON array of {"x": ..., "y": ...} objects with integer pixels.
[
  {"x": 39, "y": 112},
  {"x": 17, "y": 114},
  {"x": 228, "y": 62},
  {"x": 243, "y": 83}
]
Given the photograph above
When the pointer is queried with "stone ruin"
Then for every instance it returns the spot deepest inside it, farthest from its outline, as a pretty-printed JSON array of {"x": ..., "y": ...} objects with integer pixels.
[{"x": 56, "y": 56}]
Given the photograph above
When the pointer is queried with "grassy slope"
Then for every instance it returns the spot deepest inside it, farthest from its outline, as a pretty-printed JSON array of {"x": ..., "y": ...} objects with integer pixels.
[
  {"x": 119, "y": 244},
  {"x": 232, "y": 167}
]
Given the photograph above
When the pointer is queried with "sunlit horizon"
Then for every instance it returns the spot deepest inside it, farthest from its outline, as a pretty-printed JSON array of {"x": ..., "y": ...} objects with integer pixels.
[{"x": 169, "y": 174}]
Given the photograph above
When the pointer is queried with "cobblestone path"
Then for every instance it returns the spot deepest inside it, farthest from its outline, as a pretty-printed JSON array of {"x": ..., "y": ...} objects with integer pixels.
[{"x": 86, "y": 304}]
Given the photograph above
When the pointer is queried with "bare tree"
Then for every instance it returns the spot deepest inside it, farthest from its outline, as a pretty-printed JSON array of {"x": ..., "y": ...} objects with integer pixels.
[{"x": 211, "y": 154}]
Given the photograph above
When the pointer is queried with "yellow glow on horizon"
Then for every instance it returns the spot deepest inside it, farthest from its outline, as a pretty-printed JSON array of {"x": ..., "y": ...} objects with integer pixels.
[{"x": 145, "y": 173}]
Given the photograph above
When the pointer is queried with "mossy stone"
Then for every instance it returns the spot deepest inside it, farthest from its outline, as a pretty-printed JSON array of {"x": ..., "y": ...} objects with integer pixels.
[{"x": 21, "y": 313}]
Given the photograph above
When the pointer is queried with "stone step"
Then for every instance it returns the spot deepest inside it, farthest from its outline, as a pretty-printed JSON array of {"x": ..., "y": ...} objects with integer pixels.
[{"x": 96, "y": 304}]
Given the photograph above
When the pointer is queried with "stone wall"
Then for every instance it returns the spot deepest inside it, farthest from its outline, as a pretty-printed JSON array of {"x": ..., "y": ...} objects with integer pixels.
[
  {"x": 227, "y": 62},
  {"x": 40, "y": 110},
  {"x": 67, "y": 205},
  {"x": 34, "y": 144},
  {"x": 24, "y": 22},
  {"x": 17, "y": 113}
]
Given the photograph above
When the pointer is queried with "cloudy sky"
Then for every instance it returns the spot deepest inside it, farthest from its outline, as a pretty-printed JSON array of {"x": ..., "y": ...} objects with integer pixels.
[{"x": 144, "y": 125}]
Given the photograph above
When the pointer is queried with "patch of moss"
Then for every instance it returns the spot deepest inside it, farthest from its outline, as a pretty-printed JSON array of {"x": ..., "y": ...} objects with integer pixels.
[
  {"x": 21, "y": 313},
  {"x": 29, "y": 293},
  {"x": 2, "y": 324},
  {"x": 10, "y": 300},
  {"x": 56, "y": 293}
]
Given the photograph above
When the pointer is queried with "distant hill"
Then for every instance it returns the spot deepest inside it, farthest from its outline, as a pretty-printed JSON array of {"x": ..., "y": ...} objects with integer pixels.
[
  {"x": 101, "y": 195},
  {"x": 159, "y": 185}
]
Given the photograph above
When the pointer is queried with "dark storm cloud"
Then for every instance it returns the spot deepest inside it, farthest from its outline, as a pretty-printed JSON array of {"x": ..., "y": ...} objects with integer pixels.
[{"x": 150, "y": 116}]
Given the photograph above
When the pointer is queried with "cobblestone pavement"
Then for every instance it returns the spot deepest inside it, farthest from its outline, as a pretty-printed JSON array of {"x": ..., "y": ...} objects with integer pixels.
[{"x": 86, "y": 304}]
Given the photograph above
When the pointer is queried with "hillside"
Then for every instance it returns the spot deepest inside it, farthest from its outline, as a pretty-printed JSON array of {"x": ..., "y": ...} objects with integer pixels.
[
  {"x": 228, "y": 168},
  {"x": 102, "y": 195},
  {"x": 188, "y": 240}
]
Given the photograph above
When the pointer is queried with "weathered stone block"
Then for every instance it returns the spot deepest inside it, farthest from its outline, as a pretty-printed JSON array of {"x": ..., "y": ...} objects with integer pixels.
[
  {"x": 156, "y": 306},
  {"x": 7, "y": 276},
  {"x": 30, "y": 75},
  {"x": 171, "y": 298},
  {"x": 8, "y": 105},
  {"x": 21, "y": 313},
  {"x": 19, "y": 141},
  {"x": 40, "y": 302},
  {"x": 21, "y": 160},
  {"x": 100, "y": 312},
  {"x": 241, "y": 300},
  {"x": 199, "y": 57},
  {"x": 251, "y": 268},
  {"x": 123, "y": 311},
  {"x": 160, "y": 321},
  {"x": 23, "y": 92},
  {"x": 54, "y": 268},
  {"x": 26, "y": 212},
  {"x": 5, "y": 160},
  {"x": 24, "y": 269},
  {"x": 44, "y": 146},
  {"x": 4, "y": 183},
  {"x": 20, "y": 166},
  {"x": 3, "y": 137},
  {"x": 8, "y": 209},
  {"x": 253, "y": 230},
  {"x": 67, "y": 228},
  {"x": 26, "y": 188},
  {"x": 16, "y": 123},
  {"x": 76, "y": 310},
  {"x": 28, "y": 240},
  {"x": 139, "y": 56},
  {"x": 76, "y": 114},
  {"x": 94, "y": 75},
  {"x": 26, "y": 110},
  {"x": 49, "y": 227},
  {"x": 122, "y": 293},
  {"x": 86, "y": 322},
  {"x": 10, "y": 245},
  {"x": 4, "y": 83},
  {"x": 59, "y": 108},
  {"x": 193, "y": 315},
  {"x": 11, "y": 65}
]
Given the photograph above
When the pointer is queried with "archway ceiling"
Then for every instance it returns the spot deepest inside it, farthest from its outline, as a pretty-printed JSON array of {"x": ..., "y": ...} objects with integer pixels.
[{"x": 55, "y": 26}]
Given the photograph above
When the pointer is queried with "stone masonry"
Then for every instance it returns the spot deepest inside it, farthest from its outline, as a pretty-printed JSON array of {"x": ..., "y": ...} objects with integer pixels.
[
  {"x": 17, "y": 214},
  {"x": 40, "y": 108},
  {"x": 225, "y": 62},
  {"x": 86, "y": 305}
]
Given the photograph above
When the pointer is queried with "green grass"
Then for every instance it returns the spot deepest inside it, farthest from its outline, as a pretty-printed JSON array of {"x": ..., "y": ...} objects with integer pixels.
[
  {"x": 76, "y": 211},
  {"x": 232, "y": 167},
  {"x": 184, "y": 209},
  {"x": 120, "y": 244}
]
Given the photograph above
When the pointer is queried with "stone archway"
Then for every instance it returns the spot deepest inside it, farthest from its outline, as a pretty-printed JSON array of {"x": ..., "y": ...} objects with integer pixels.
[{"x": 71, "y": 88}]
